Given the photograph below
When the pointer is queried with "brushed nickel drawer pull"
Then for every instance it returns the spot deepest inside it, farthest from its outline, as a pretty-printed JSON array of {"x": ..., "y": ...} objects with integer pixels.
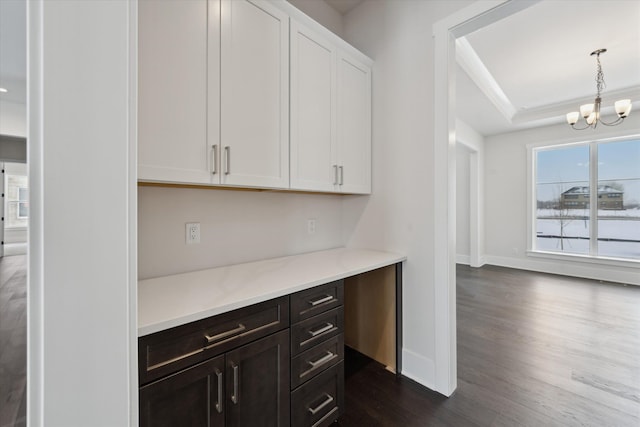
[
  {"x": 321, "y": 300},
  {"x": 327, "y": 327},
  {"x": 219, "y": 399},
  {"x": 319, "y": 408},
  {"x": 234, "y": 396},
  {"x": 218, "y": 337},
  {"x": 324, "y": 359},
  {"x": 341, "y": 175}
]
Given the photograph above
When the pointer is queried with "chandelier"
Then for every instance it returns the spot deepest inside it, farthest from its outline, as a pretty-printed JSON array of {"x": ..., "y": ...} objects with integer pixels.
[{"x": 591, "y": 112}]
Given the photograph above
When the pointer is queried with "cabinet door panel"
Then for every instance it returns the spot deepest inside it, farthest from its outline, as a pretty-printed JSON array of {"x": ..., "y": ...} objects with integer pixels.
[
  {"x": 254, "y": 94},
  {"x": 258, "y": 383},
  {"x": 354, "y": 125},
  {"x": 193, "y": 397},
  {"x": 313, "y": 109},
  {"x": 172, "y": 85}
]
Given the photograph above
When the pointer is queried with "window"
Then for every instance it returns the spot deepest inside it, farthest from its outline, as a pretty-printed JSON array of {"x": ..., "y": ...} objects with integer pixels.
[
  {"x": 23, "y": 203},
  {"x": 587, "y": 199},
  {"x": 16, "y": 191}
]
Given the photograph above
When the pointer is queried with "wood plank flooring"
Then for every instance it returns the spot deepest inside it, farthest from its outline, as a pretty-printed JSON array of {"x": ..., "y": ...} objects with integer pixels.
[
  {"x": 533, "y": 350},
  {"x": 13, "y": 340}
]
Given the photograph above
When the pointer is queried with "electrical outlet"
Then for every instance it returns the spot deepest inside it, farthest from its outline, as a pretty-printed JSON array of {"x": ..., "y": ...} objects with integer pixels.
[
  {"x": 311, "y": 226},
  {"x": 193, "y": 233}
]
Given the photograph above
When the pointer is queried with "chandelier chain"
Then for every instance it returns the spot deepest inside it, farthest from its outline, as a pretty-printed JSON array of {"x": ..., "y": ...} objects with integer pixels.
[{"x": 599, "y": 76}]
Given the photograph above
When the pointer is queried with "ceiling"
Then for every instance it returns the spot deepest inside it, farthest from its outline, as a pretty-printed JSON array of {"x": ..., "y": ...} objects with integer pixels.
[
  {"x": 533, "y": 67},
  {"x": 526, "y": 70}
]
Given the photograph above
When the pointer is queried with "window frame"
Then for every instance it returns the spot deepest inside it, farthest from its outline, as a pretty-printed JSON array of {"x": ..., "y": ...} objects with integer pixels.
[{"x": 593, "y": 256}]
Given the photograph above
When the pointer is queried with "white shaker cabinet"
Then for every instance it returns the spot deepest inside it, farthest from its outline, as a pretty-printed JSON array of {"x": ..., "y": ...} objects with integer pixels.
[
  {"x": 172, "y": 91},
  {"x": 254, "y": 127},
  {"x": 330, "y": 114},
  {"x": 314, "y": 148},
  {"x": 354, "y": 125},
  {"x": 214, "y": 93}
]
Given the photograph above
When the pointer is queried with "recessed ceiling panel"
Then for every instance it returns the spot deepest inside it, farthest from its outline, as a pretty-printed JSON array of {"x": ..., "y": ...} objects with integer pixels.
[{"x": 540, "y": 56}]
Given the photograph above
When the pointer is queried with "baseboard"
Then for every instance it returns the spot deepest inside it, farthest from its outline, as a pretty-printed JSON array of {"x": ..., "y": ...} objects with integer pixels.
[
  {"x": 575, "y": 269},
  {"x": 418, "y": 368},
  {"x": 463, "y": 259}
]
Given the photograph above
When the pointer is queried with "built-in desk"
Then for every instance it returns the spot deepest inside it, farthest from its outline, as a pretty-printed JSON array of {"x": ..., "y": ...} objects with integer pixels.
[
  {"x": 234, "y": 344},
  {"x": 373, "y": 293}
]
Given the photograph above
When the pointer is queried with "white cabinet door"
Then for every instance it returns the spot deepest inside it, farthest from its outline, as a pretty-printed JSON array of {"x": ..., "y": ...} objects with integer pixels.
[
  {"x": 313, "y": 111},
  {"x": 172, "y": 97},
  {"x": 254, "y": 94},
  {"x": 354, "y": 125}
]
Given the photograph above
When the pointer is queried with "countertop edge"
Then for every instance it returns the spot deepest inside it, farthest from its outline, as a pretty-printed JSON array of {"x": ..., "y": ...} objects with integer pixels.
[{"x": 260, "y": 296}]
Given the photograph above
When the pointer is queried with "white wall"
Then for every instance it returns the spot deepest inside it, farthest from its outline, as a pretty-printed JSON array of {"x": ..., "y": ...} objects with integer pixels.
[
  {"x": 13, "y": 118},
  {"x": 397, "y": 34},
  {"x": 235, "y": 227},
  {"x": 322, "y": 13},
  {"x": 462, "y": 204},
  {"x": 82, "y": 333},
  {"x": 506, "y": 179}
]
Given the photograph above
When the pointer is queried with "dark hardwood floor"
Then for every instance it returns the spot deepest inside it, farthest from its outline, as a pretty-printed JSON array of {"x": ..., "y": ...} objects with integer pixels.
[
  {"x": 13, "y": 340},
  {"x": 533, "y": 350}
]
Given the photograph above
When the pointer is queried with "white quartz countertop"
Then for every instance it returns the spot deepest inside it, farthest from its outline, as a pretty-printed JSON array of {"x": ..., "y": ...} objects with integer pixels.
[{"x": 165, "y": 302}]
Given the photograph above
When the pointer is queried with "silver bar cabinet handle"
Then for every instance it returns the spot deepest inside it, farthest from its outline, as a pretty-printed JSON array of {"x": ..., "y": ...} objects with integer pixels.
[
  {"x": 324, "y": 359},
  {"x": 219, "y": 399},
  {"x": 341, "y": 175},
  {"x": 234, "y": 396},
  {"x": 327, "y": 327},
  {"x": 335, "y": 174},
  {"x": 227, "y": 162},
  {"x": 214, "y": 159},
  {"x": 318, "y": 408},
  {"x": 214, "y": 338},
  {"x": 321, "y": 300}
]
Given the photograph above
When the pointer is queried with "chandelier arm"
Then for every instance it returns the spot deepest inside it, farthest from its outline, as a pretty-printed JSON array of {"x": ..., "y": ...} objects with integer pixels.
[
  {"x": 614, "y": 123},
  {"x": 573, "y": 126}
]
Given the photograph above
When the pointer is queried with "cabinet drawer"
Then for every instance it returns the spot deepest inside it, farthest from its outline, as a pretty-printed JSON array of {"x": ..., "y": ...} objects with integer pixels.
[
  {"x": 310, "y": 332},
  {"x": 167, "y": 351},
  {"x": 319, "y": 402},
  {"x": 315, "y": 360},
  {"x": 310, "y": 302}
]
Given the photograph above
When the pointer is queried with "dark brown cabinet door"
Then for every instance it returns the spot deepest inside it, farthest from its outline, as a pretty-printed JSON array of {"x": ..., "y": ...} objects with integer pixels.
[
  {"x": 193, "y": 397},
  {"x": 257, "y": 383}
]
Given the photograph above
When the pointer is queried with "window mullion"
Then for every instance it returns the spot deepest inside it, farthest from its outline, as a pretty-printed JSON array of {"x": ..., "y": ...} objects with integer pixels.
[{"x": 593, "y": 196}]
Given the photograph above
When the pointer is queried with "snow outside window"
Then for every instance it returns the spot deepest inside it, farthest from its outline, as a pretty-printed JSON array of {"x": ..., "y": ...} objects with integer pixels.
[{"x": 587, "y": 199}]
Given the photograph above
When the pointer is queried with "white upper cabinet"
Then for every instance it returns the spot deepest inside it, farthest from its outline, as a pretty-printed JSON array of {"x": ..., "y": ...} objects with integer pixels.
[
  {"x": 354, "y": 125},
  {"x": 330, "y": 114},
  {"x": 216, "y": 80},
  {"x": 313, "y": 111},
  {"x": 254, "y": 94},
  {"x": 172, "y": 91}
]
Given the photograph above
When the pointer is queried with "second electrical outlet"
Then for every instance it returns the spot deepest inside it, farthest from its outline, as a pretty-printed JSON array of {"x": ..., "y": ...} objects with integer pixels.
[{"x": 193, "y": 233}]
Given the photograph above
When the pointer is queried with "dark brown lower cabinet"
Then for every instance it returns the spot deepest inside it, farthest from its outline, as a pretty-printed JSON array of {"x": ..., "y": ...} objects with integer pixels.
[
  {"x": 246, "y": 387},
  {"x": 319, "y": 402},
  {"x": 186, "y": 398}
]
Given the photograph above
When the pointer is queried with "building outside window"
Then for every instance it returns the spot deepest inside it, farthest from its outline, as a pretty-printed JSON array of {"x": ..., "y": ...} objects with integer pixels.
[{"x": 587, "y": 199}]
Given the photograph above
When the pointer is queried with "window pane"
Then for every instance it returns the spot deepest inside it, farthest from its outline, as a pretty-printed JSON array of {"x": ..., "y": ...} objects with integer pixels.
[
  {"x": 619, "y": 199},
  {"x": 562, "y": 195}
]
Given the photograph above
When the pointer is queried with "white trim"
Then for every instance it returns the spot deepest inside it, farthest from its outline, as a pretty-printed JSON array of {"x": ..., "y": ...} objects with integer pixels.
[
  {"x": 418, "y": 368},
  {"x": 471, "y": 63},
  {"x": 574, "y": 268},
  {"x": 132, "y": 222},
  {"x": 477, "y": 15},
  {"x": 35, "y": 276},
  {"x": 463, "y": 259},
  {"x": 613, "y": 262}
]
